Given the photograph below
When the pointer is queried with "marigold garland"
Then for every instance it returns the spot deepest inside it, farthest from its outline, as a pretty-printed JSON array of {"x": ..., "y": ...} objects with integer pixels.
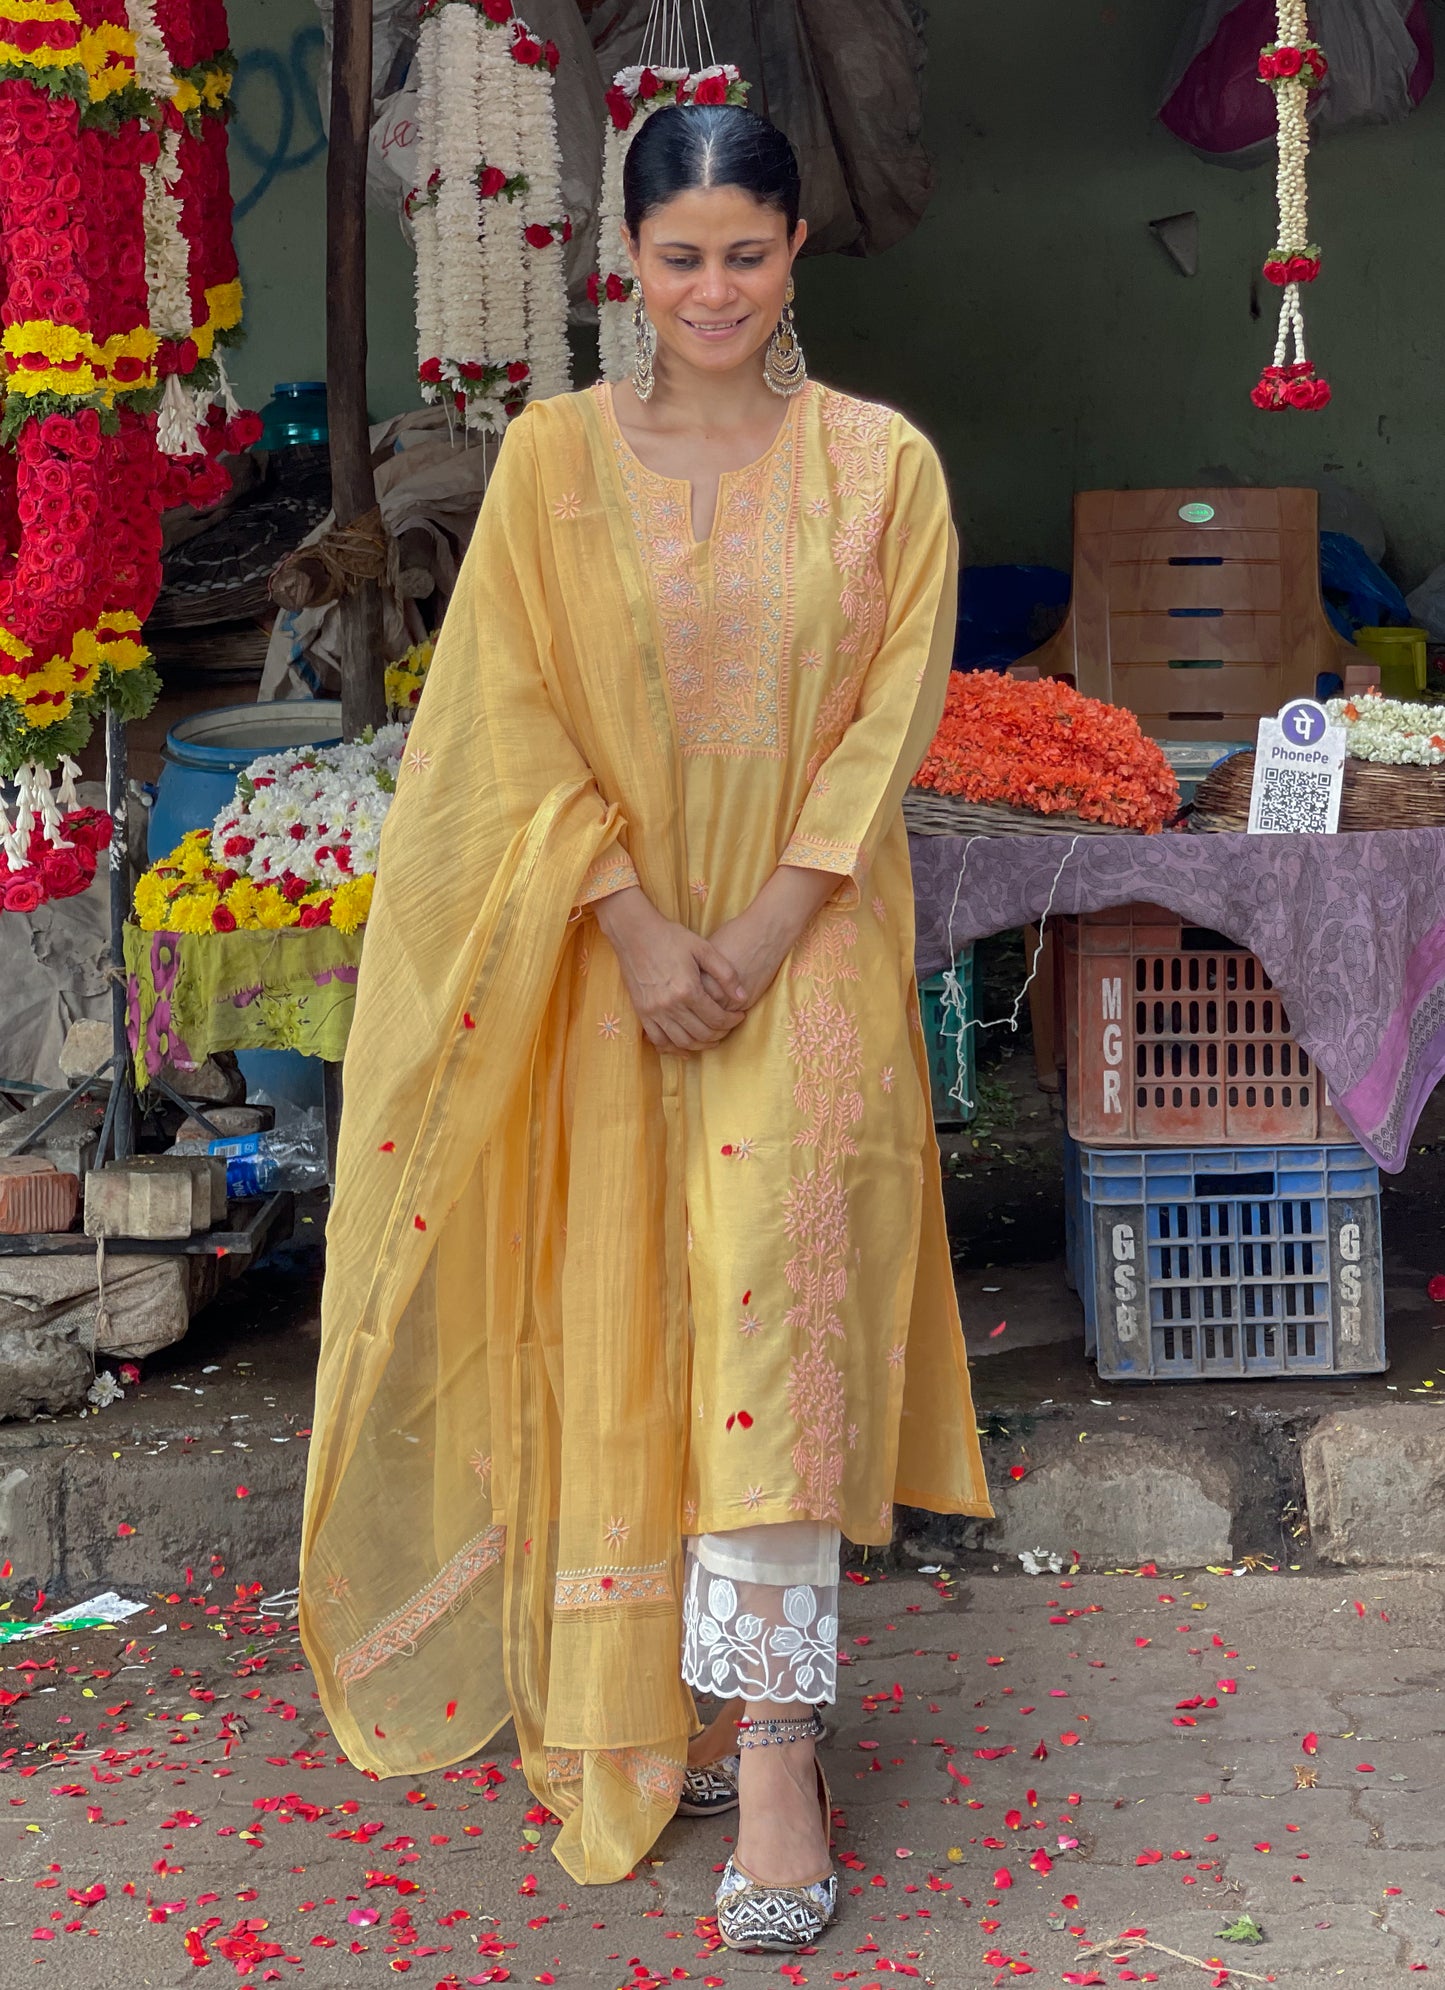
[
  {"x": 119, "y": 276},
  {"x": 1043, "y": 746}
]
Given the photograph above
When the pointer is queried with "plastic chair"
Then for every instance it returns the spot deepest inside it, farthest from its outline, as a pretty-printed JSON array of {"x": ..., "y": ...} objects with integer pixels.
[{"x": 1199, "y": 611}]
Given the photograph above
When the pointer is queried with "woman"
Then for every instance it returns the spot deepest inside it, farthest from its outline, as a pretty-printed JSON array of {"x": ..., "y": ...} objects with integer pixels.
[{"x": 639, "y": 1295}]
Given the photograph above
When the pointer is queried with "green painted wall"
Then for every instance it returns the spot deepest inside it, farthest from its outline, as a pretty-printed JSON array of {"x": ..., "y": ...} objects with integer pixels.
[
  {"x": 278, "y": 162},
  {"x": 1032, "y": 324}
]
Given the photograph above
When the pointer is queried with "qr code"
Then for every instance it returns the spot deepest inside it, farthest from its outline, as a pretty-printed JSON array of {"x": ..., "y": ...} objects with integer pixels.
[{"x": 1295, "y": 800}]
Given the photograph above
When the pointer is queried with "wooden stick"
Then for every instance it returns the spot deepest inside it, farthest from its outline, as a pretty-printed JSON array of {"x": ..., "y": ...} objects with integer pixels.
[{"x": 353, "y": 487}]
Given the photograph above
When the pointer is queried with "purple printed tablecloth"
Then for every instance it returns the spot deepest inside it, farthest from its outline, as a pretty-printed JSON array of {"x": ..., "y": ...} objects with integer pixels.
[{"x": 1351, "y": 930}]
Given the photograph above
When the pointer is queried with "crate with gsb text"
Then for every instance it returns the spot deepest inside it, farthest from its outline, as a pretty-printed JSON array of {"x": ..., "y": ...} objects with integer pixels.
[
  {"x": 1220, "y": 1261},
  {"x": 1176, "y": 1034}
]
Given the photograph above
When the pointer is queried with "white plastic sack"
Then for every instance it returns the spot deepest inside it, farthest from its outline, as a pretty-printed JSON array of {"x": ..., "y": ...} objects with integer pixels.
[{"x": 1380, "y": 52}]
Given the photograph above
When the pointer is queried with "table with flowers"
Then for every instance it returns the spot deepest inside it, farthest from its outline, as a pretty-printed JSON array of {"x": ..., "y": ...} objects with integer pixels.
[{"x": 248, "y": 935}]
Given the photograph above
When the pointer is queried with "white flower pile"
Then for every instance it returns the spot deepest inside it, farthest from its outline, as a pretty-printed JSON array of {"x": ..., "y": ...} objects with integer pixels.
[
  {"x": 1389, "y": 731},
  {"x": 491, "y": 309},
  {"x": 313, "y": 813}
]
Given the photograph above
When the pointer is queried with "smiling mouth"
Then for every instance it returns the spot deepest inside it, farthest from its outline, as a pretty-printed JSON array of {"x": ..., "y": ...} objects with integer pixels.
[{"x": 713, "y": 328}]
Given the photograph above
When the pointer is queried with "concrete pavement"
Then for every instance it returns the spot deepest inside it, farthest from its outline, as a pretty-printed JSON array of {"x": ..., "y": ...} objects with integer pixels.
[{"x": 1023, "y": 1769}]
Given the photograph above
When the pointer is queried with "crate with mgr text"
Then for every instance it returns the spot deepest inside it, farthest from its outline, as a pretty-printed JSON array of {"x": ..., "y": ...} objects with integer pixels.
[
  {"x": 948, "y": 1041},
  {"x": 1236, "y": 1261},
  {"x": 1176, "y": 1034}
]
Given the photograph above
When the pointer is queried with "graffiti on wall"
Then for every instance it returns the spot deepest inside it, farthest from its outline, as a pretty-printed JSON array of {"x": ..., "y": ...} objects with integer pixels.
[{"x": 276, "y": 127}]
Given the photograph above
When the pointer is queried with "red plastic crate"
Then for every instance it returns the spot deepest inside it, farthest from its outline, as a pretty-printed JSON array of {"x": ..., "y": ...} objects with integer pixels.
[{"x": 1176, "y": 1037}]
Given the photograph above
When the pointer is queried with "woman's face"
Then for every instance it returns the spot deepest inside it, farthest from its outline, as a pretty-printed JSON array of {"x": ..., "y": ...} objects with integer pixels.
[{"x": 714, "y": 265}]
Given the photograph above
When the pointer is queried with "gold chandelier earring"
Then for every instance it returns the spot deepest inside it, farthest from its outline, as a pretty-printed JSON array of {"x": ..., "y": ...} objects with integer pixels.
[
  {"x": 784, "y": 368},
  {"x": 644, "y": 368}
]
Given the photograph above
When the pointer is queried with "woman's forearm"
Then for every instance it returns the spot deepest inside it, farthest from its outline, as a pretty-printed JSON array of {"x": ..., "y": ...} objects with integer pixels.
[{"x": 789, "y": 899}]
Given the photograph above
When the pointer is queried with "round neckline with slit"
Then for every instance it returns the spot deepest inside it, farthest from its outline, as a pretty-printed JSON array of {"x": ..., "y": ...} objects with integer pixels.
[{"x": 786, "y": 427}]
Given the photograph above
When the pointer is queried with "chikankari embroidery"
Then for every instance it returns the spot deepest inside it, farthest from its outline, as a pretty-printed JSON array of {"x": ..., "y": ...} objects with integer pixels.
[
  {"x": 859, "y": 434},
  {"x": 655, "y": 1779},
  {"x": 613, "y": 871},
  {"x": 401, "y": 1632},
  {"x": 827, "y": 1056},
  {"x": 590, "y": 1589},
  {"x": 724, "y": 608}
]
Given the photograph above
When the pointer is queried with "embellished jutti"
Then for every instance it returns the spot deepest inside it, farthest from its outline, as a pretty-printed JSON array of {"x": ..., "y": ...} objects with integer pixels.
[{"x": 583, "y": 1300}]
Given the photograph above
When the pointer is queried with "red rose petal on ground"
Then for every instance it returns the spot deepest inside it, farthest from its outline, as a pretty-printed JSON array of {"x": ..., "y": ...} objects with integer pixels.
[
  {"x": 1311, "y": 1744},
  {"x": 1149, "y": 1859}
]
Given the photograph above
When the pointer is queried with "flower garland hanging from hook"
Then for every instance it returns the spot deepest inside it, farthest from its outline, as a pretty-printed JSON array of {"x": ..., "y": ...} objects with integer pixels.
[{"x": 1293, "y": 66}]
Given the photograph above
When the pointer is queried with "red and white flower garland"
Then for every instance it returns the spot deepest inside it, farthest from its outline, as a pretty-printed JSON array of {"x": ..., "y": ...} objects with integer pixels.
[
  {"x": 1292, "y": 65},
  {"x": 85, "y": 88},
  {"x": 635, "y": 94},
  {"x": 491, "y": 296}
]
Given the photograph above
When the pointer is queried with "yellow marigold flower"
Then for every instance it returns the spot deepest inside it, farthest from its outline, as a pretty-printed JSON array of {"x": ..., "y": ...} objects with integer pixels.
[
  {"x": 191, "y": 911},
  {"x": 273, "y": 913},
  {"x": 152, "y": 896},
  {"x": 351, "y": 904},
  {"x": 240, "y": 901}
]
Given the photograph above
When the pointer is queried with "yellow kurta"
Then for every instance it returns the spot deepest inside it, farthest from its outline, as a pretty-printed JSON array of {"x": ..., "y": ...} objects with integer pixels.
[{"x": 581, "y": 1299}]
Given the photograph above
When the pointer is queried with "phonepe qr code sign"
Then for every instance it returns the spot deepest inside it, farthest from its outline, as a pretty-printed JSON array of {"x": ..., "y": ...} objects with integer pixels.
[{"x": 1299, "y": 773}]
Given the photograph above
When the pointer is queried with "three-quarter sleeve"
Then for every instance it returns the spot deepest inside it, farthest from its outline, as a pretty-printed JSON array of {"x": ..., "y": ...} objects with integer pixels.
[{"x": 857, "y": 791}]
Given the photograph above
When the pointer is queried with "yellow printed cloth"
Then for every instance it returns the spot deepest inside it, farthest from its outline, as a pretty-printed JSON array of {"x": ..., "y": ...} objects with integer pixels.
[{"x": 583, "y": 1300}]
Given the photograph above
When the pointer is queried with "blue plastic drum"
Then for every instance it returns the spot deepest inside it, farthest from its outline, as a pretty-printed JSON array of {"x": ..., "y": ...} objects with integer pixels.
[{"x": 203, "y": 755}]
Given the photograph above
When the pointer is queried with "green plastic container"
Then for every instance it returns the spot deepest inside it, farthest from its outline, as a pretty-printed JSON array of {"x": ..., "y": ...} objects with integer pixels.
[
  {"x": 950, "y": 1048},
  {"x": 1402, "y": 657}
]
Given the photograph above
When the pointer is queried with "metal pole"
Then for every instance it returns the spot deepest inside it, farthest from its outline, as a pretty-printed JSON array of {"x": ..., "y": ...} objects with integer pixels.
[{"x": 117, "y": 805}]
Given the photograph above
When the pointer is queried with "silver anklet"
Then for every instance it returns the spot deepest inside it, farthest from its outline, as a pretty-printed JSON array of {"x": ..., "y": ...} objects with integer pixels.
[{"x": 778, "y": 1732}]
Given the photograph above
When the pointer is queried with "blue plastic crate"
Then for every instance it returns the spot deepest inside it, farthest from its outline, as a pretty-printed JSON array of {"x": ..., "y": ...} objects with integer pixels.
[
  {"x": 1217, "y": 1261},
  {"x": 948, "y": 1041}
]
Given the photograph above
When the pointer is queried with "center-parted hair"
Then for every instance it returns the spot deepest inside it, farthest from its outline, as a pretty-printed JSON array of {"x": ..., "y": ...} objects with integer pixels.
[{"x": 688, "y": 146}]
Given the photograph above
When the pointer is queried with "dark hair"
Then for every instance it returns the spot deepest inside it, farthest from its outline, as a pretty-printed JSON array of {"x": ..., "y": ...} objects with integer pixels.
[{"x": 709, "y": 145}]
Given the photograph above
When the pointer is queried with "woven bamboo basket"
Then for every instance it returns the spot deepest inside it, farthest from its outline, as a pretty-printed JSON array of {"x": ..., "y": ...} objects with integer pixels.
[
  {"x": 1375, "y": 797},
  {"x": 928, "y": 813}
]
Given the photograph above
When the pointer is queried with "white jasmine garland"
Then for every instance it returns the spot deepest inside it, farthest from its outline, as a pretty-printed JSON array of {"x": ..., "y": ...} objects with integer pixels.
[
  {"x": 490, "y": 309},
  {"x": 152, "y": 63},
  {"x": 456, "y": 49},
  {"x": 1390, "y": 732},
  {"x": 500, "y": 145},
  {"x": 546, "y": 277}
]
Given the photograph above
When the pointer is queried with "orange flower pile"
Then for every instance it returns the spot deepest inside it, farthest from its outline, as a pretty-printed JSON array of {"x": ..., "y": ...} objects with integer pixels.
[{"x": 1043, "y": 746}]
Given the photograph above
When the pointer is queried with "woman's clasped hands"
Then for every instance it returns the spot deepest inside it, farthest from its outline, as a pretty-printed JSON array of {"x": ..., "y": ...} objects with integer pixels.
[
  {"x": 687, "y": 993},
  {"x": 690, "y": 992}
]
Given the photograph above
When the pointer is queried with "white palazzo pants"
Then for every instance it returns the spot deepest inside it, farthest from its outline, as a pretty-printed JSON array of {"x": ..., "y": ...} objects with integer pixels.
[{"x": 760, "y": 1613}]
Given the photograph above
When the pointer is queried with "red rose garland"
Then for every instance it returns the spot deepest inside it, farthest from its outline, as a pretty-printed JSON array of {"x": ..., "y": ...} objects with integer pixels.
[{"x": 86, "y": 93}]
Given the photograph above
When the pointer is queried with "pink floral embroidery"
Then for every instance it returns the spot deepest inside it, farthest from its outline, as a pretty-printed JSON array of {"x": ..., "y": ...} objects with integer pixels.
[
  {"x": 656, "y": 1780},
  {"x": 885, "y": 1077},
  {"x": 617, "y": 1531},
  {"x": 824, "y": 1045},
  {"x": 859, "y": 435},
  {"x": 594, "y": 1589},
  {"x": 724, "y": 646},
  {"x": 399, "y": 1634},
  {"x": 610, "y": 1027},
  {"x": 569, "y": 505}
]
